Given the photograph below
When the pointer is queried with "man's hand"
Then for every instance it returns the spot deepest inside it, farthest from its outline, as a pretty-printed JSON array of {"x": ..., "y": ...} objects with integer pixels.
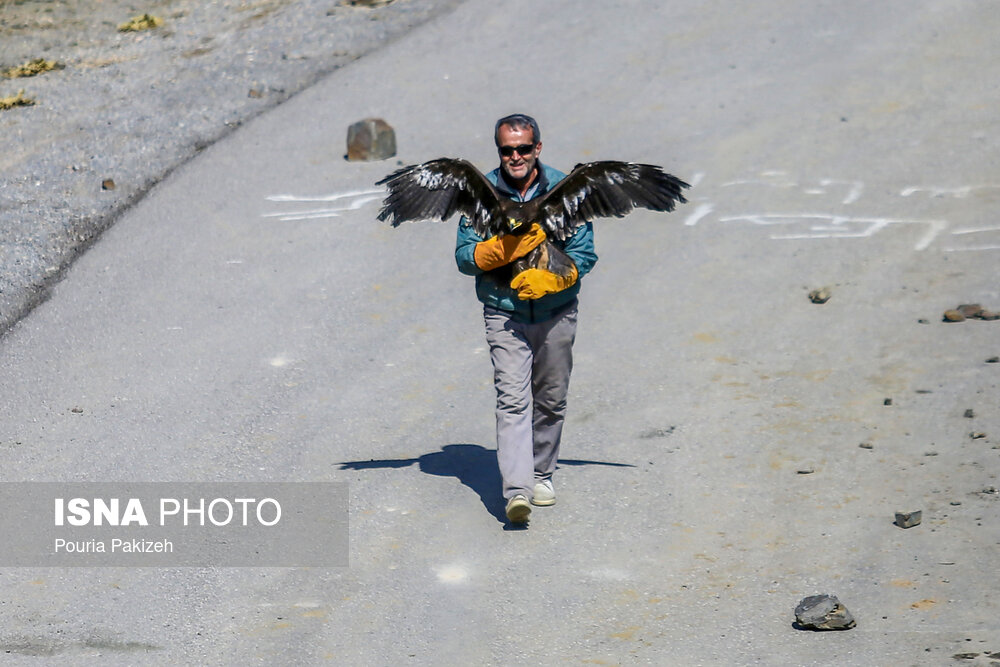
[
  {"x": 536, "y": 283},
  {"x": 501, "y": 250}
]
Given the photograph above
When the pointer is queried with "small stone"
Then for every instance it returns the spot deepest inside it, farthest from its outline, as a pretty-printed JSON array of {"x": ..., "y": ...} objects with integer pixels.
[
  {"x": 977, "y": 435},
  {"x": 965, "y": 656},
  {"x": 807, "y": 470},
  {"x": 930, "y": 453},
  {"x": 76, "y": 411},
  {"x": 970, "y": 309},
  {"x": 370, "y": 139},
  {"x": 989, "y": 315},
  {"x": 823, "y": 612},
  {"x": 866, "y": 445},
  {"x": 923, "y": 320},
  {"x": 821, "y": 295},
  {"x": 255, "y": 93},
  {"x": 953, "y": 316},
  {"x": 108, "y": 184},
  {"x": 908, "y": 519},
  {"x": 887, "y": 401},
  {"x": 993, "y": 360},
  {"x": 969, "y": 413}
]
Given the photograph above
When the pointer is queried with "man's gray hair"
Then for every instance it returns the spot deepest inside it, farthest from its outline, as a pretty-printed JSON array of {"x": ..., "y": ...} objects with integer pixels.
[{"x": 517, "y": 121}]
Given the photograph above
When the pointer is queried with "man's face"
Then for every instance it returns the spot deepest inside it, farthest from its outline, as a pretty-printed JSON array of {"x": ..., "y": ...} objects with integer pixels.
[{"x": 518, "y": 167}]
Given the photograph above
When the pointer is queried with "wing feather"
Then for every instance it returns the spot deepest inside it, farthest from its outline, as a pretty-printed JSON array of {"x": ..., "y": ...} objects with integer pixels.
[
  {"x": 607, "y": 189},
  {"x": 439, "y": 189}
]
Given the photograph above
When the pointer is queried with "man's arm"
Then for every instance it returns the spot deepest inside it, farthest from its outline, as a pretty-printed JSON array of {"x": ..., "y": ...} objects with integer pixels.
[
  {"x": 465, "y": 248},
  {"x": 495, "y": 251},
  {"x": 580, "y": 248}
]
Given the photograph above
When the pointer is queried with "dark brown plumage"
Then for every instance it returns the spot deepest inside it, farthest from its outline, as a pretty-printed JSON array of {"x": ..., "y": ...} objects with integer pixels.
[{"x": 438, "y": 189}]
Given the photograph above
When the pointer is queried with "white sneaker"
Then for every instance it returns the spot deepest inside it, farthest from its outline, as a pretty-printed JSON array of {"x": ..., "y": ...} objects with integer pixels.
[
  {"x": 545, "y": 495},
  {"x": 518, "y": 509}
]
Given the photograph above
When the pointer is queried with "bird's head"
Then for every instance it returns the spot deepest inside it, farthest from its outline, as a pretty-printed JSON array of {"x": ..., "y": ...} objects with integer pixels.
[{"x": 516, "y": 226}]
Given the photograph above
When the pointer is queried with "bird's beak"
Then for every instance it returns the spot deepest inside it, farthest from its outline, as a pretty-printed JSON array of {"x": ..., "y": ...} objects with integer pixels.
[{"x": 513, "y": 225}]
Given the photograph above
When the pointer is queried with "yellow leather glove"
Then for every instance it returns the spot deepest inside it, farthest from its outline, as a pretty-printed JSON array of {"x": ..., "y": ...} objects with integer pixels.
[
  {"x": 536, "y": 283},
  {"x": 501, "y": 250}
]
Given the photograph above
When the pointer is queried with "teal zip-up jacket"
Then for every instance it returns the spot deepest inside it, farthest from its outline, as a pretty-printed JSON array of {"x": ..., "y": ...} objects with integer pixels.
[{"x": 493, "y": 287}]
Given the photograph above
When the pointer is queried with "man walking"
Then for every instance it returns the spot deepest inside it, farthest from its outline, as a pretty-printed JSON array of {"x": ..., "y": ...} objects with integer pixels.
[{"x": 530, "y": 322}]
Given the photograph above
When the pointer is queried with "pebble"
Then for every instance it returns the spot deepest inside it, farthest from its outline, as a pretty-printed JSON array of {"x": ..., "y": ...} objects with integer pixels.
[
  {"x": 908, "y": 519},
  {"x": 823, "y": 612},
  {"x": 969, "y": 413},
  {"x": 821, "y": 295},
  {"x": 953, "y": 316},
  {"x": 970, "y": 309}
]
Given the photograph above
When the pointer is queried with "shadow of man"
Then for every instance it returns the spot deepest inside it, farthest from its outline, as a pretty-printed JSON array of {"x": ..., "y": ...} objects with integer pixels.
[{"x": 473, "y": 465}]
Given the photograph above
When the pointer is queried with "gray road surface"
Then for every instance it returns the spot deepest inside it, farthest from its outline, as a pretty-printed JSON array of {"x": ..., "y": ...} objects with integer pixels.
[
  {"x": 233, "y": 327},
  {"x": 128, "y": 107}
]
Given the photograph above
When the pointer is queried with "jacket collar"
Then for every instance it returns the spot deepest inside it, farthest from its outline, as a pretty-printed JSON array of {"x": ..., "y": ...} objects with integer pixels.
[{"x": 538, "y": 188}]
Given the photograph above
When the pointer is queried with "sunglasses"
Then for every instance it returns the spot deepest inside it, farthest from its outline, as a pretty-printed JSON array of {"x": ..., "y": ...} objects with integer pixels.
[{"x": 523, "y": 150}]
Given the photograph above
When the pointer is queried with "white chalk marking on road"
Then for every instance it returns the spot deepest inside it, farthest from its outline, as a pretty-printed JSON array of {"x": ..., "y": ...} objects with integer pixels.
[
  {"x": 314, "y": 214},
  {"x": 973, "y": 248},
  {"x": 839, "y": 226},
  {"x": 698, "y": 214},
  {"x": 854, "y": 190},
  {"x": 333, "y": 197},
  {"x": 976, "y": 230},
  {"x": 959, "y": 192}
]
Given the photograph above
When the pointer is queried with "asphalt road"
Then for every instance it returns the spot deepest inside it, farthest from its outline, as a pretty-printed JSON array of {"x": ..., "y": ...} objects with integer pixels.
[{"x": 233, "y": 326}]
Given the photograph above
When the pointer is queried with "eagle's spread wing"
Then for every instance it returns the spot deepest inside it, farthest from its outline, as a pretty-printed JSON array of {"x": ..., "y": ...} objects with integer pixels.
[
  {"x": 438, "y": 189},
  {"x": 607, "y": 189}
]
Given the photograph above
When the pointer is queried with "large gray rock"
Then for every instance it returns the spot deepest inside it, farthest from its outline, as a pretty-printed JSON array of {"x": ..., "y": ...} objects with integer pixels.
[
  {"x": 370, "y": 139},
  {"x": 823, "y": 612}
]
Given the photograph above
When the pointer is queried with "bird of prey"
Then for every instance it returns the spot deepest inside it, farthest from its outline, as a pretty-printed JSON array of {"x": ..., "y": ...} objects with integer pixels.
[{"x": 438, "y": 189}]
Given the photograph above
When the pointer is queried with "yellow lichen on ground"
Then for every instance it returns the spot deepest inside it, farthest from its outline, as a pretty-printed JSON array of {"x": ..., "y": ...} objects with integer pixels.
[
  {"x": 31, "y": 68},
  {"x": 143, "y": 22},
  {"x": 18, "y": 100}
]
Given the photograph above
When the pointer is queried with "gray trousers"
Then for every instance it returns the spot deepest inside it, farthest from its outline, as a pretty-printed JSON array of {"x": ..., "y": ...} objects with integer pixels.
[{"x": 531, "y": 369}]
